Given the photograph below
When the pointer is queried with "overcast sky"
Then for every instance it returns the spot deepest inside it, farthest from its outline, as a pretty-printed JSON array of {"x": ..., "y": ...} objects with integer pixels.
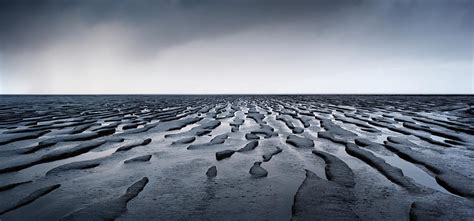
[{"x": 240, "y": 46}]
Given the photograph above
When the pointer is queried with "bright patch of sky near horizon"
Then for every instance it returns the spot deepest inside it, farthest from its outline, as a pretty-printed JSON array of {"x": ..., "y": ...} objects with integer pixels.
[{"x": 367, "y": 48}]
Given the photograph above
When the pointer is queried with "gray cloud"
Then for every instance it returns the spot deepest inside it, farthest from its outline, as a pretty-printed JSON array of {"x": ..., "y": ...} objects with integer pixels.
[{"x": 59, "y": 46}]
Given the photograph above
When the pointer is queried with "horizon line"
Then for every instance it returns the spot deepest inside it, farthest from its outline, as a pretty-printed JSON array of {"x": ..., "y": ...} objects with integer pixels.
[{"x": 217, "y": 94}]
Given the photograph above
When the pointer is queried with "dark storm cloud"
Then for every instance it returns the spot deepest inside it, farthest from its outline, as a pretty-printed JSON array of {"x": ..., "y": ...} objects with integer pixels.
[
  {"x": 158, "y": 23},
  {"x": 47, "y": 34}
]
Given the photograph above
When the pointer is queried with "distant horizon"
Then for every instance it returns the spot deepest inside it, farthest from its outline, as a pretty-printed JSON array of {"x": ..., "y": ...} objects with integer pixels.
[{"x": 241, "y": 94}]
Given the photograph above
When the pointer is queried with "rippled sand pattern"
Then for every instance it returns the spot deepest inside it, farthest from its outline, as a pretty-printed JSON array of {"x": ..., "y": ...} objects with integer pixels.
[{"x": 323, "y": 157}]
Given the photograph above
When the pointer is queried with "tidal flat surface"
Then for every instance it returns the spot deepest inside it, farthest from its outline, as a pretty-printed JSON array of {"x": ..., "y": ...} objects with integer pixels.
[{"x": 237, "y": 157}]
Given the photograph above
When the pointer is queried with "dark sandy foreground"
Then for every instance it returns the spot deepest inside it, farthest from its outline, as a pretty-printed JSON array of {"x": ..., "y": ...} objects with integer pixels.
[{"x": 236, "y": 157}]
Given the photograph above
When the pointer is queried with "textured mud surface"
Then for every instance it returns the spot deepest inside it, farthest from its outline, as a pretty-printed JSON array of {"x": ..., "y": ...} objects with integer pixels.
[{"x": 236, "y": 157}]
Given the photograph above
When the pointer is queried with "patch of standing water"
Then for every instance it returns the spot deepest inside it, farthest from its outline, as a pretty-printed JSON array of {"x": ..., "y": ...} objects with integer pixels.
[
  {"x": 412, "y": 171},
  {"x": 224, "y": 128},
  {"x": 440, "y": 139},
  {"x": 185, "y": 129},
  {"x": 39, "y": 170}
]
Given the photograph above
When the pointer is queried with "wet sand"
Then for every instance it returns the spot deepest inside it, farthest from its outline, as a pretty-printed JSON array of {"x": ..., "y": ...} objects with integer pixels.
[{"x": 314, "y": 157}]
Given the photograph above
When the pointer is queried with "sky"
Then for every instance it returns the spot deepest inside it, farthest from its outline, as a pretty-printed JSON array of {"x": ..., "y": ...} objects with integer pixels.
[{"x": 236, "y": 46}]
